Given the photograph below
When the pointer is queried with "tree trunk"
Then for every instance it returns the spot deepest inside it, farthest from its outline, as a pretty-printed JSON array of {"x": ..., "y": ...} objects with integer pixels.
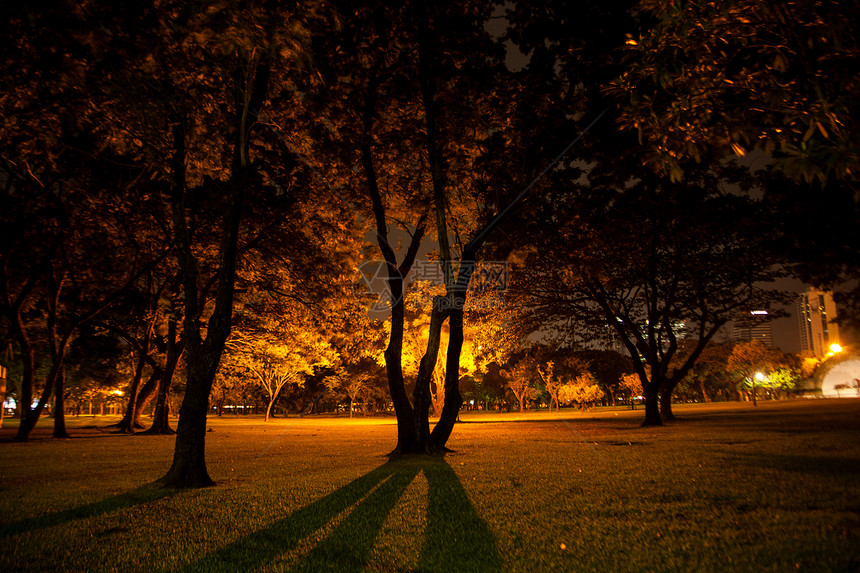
[
  {"x": 2, "y": 394},
  {"x": 25, "y": 404},
  {"x": 189, "y": 462},
  {"x": 438, "y": 397},
  {"x": 161, "y": 415},
  {"x": 60, "y": 406},
  {"x": 35, "y": 413},
  {"x": 705, "y": 396},
  {"x": 132, "y": 414},
  {"x": 421, "y": 397},
  {"x": 652, "y": 405},
  {"x": 126, "y": 425},
  {"x": 453, "y": 398},
  {"x": 145, "y": 396},
  {"x": 269, "y": 409},
  {"x": 666, "y": 405},
  {"x": 407, "y": 437}
]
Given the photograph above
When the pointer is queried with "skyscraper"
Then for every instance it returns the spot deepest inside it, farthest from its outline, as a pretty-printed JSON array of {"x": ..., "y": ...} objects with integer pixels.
[
  {"x": 815, "y": 313},
  {"x": 755, "y": 326}
]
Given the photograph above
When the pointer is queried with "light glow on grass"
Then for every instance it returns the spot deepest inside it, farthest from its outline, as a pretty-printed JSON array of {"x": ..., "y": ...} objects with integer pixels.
[{"x": 723, "y": 489}]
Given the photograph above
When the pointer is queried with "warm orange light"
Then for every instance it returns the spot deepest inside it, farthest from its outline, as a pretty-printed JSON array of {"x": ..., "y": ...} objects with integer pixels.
[{"x": 834, "y": 349}]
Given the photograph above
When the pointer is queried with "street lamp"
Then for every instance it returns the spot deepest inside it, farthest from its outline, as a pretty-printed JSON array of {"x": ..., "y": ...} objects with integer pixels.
[
  {"x": 758, "y": 376},
  {"x": 834, "y": 349}
]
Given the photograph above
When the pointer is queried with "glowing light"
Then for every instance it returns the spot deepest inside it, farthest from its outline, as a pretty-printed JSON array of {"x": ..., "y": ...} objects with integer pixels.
[
  {"x": 759, "y": 376},
  {"x": 759, "y": 312},
  {"x": 834, "y": 349}
]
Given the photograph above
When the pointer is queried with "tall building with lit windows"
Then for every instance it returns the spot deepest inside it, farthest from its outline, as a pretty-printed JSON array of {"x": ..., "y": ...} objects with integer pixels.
[
  {"x": 756, "y": 326},
  {"x": 815, "y": 313}
]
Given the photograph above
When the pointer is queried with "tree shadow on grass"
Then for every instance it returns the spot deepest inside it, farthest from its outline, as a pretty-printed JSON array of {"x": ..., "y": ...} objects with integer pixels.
[
  {"x": 456, "y": 536},
  {"x": 143, "y": 494}
]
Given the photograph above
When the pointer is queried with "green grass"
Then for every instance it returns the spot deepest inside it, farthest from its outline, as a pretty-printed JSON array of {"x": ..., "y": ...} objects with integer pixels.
[{"x": 728, "y": 487}]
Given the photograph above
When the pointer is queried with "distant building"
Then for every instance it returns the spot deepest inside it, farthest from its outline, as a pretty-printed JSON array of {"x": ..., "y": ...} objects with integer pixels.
[
  {"x": 756, "y": 326},
  {"x": 815, "y": 313}
]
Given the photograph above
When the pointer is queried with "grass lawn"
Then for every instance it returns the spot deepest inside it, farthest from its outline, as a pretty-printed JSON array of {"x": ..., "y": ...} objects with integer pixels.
[{"x": 728, "y": 487}]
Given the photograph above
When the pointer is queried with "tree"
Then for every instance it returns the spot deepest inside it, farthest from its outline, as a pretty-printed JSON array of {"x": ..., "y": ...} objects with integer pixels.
[
  {"x": 520, "y": 380},
  {"x": 357, "y": 382},
  {"x": 607, "y": 367},
  {"x": 488, "y": 385},
  {"x": 208, "y": 174},
  {"x": 640, "y": 262},
  {"x": 88, "y": 209},
  {"x": 583, "y": 390},
  {"x": 354, "y": 387},
  {"x": 359, "y": 342},
  {"x": 418, "y": 320},
  {"x": 203, "y": 353},
  {"x": 283, "y": 334},
  {"x": 67, "y": 257},
  {"x": 579, "y": 201},
  {"x": 551, "y": 382},
  {"x": 495, "y": 342},
  {"x": 633, "y": 384},
  {"x": 278, "y": 354},
  {"x": 429, "y": 77},
  {"x": 710, "y": 371},
  {"x": 176, "y": 60},
  {"x": 713, "y": 79},
  {"x": 782, "y": 380},
  {"x": 141, "y": 345},
  {"x": 743, "y": 74},
  {"x": 751, "y": 360},
  {"x": 369, "y": 100}
]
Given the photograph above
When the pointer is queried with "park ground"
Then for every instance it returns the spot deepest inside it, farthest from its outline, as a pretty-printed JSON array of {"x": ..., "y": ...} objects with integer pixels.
[{"x": 727, "y": 487}]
